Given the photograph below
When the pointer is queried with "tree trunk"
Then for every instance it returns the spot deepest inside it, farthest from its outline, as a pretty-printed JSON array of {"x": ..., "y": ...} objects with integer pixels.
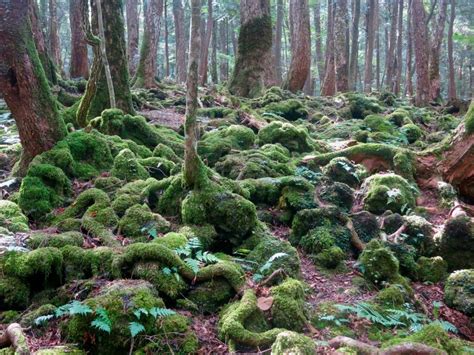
[
  {"x": 193, "y": 171},
  {"x": 180, "y": 38},
  {"x": 329, "y": 84},
  {"x": 167, "y": 50},
  {"x": 341, "y": 23},
  {"x": 409, "y": 71},
  {"x": 452, "y": 84},
  {"x": 206, "y": 41},
  {"x": 214, "y": 75},
  {"x": 54, "y": 34},
  {"x": 133, "y": 22},
  {"x": 112, "y": 14},
  {"x": 318, "y": 39},
  {"x": 278, "y": 38},
  {"x": 224, "y": 49},
  {"x": 377, "y": 45},
  {"x": 421, "y": 53},
  {"x": 255, "y": 44},
  {"x": 437, "y": 40},
  {"x": 79, "y": 65},
  {"x": 398, "y": 80},
  {"x": 146, "y": 71},
  {"x": 391, "y": 60},
  {"x": 369, "y": 46},
  {"x": 355, "y": 45},
  {"x": 24, "y": 86}
]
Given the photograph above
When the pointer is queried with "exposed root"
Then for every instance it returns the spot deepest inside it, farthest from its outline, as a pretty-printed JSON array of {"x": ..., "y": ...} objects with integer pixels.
[
  {"x": 15, "y": 337},
  {"x": 355, "y": 240}
]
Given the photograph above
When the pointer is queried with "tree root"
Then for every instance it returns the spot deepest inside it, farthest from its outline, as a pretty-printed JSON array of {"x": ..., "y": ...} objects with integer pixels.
[
  {"x": 15, "y": 337},
  {"x": 362, "y": 348},
  {"x": 355, "y": 240}
]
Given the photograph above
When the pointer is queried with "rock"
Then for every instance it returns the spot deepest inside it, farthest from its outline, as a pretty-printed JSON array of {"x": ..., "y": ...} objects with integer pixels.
[
  {"x": 459, "y": 291},
  {"x": 292, "y": 343}
]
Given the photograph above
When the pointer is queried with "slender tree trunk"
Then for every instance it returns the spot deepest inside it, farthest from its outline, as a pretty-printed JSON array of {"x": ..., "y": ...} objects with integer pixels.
[
  {"x": 437, "y": 40},
  {"x": 206, "y": 41},
  {"x": 391, "y": 62},
  {"x": 103, "y": 52},
  {"x": 318, "y": 39},
  {"x": 399, "y": 66},
  {"x": 24, "y": 86},
  {"x": 54, "y": 33},
  {"x": 167, "y": 50},
  {"x": 133, "y": 22},
  {"x": 355, "y": 45},
  {"x": 180, "y": 38},
  {"x": 79, "y": 65},
  {"x": 377, "y": 45},
  {"x": 214, "y": 74},
  {"x": 452, "y": 83},
  {"x": 341, "y": 23},
  {"x": 193, "y": 171},
  {"x": 329, "y": 83},
  {"x": 300, "y": 45},
  {"x": 278, "y": 38},
  {"x": 369, "y": 46},
  {"x": 255, "y": 44},
  {"x": 421, "y": 53},
  {"x": 409, "y": 72}
]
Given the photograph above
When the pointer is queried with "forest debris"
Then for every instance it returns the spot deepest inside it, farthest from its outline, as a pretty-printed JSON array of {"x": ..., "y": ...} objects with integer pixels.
[{"x": 14, "y": 336}]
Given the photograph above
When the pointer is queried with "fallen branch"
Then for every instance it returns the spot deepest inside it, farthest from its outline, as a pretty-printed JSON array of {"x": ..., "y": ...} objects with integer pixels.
[
  {"x": 393, "y": 238},
  {"x": 412, "y": 349},
  {"x": 361, "y": 348},
  {"x": 355, "y": 240},
  {"x": 14, "y": 336},
  {"x": 273, "y": 275}
]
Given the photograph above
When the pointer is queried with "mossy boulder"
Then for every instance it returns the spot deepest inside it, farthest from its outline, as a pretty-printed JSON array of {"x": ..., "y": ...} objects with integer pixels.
[
  {"x": 420, "y": 234},
  {"x": 388, "y": 192},
  {"x": 338, "y": 194},
  {"x": 433, "y": 269},
  {"x": 291, "y": 109},
  {"x": 11, "y": 217},
  {"x": 209, "y": 296},
  {"x": 393, "y": 296},
  {"x": 360, "y": 105},
  {"x": 366, "y": 225},
  {"x": 325, "y": 237},
  {"x": 81, "y": 263},
  {"x": 459, "y": 291},
  {"x": 457, "y": 243},
  {"x": 139, "y": 221},
  {"x": 293, "y": 343},
  {"x": 294, "y": 138},
  {"x": 287, "y": 310},
  {"x": 330, "y": 258},
  {"x": 343, "y": 170},
  {"x": 412, "y": 132},
  {"x": 378, "y": 264},
  {"x": 39, "y": 240},
  {"x": 126, "y": 167},
  {"x": 14, "y": 293}
]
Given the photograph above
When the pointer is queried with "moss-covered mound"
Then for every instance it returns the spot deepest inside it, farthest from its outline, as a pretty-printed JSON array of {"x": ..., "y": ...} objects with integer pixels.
[
  {"x": 11, "y": 217},
  {"x": 459, "y": 291},
  {"x": 457, "y": 243},
  {"x": 378, "y": 264},
  {"x": 294, "y": 138}
]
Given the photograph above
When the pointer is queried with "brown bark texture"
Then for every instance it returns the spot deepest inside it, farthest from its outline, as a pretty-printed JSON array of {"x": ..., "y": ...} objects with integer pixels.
[
  {"x": 206, "y": 41},
  {"x": 329, "y": 84},
  {"x": 435, "y": 48},
  {"x": 132, "y": 34},
  {"x": 318, "y": 39},
  {"x": 79, "y": 65},
  {"x": 452, "y": 83},
  {"x": 421, "y": 53},
  {"x": 54, "y": 33},
  {"x": 398, "y": 66},
  {"x": 180, "y": 38},
  {"x": 278, "y": 38},
  {"x": 369, "y": 48},
  {"x": 354, "y": 45}
]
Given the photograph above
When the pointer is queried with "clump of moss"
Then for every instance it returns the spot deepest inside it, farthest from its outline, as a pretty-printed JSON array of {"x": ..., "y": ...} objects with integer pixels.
[
  {"x": 324, "y": 237},
  {"x": 458, "y": 291},
  {"x": 361, "y": 105},
  {"x": 343, "y": 170},
  {"x": 291, "y": 109},
  {"x": 163, "y": 151},
  {"x": 419, "y": 233},
  {"x": 14, "y": 293},
  {"x": 38, "y": 240},
  {"x": 469, "y": 120},
  {"x": 288, "y": 305},
  {"x": 11, "y": 217},
  {"x": 86, "y": 263},
  {"x": 388, "y": 192},
  {"x": 108, "y": 184},
  {"x": 412, "y": 132},
  {"x": 366, "y": 225},
  {"x": 330, "y": 258},
  {"x": 399, "y": 117},
  {"x": 126, "y": 167},
  {"x": 28, "y": 320},
  {"x": 293, "y": 343},
  {"x": 210, "y": 295},
  {"x": 338, "y": 194},
  {"x": 378, "y": 264},
  {"x": 457, "y": 243},
  {"x": 293, "y": 138},
  {"x": 139, "y": 220},
  {"x": 393, "y": 296},
  {"x": 206, "y": 234},
  {"x": 159, "y": 168},
  {"x": 433, "y": 269}
]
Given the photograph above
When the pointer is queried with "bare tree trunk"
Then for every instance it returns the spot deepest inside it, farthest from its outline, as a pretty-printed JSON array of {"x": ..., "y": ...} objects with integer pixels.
[
  {"x": 421, "y": 53},
  {"x": 377, "y": 44},
  {"x": 300, "y": 45},
  {"x": 24, "y": 86},
  {"x": 255, "y": 44},
  {"x": 54, "y": 33},
  {"x": 278, "y": 38},
  {"x": 329, "y": 84},
  {"x": 437, "y": 40},
  {"x": 341, "y": 26},
  {"x": 369, "y": 47},
  {"x": 167, "y": 50},
  {"x": 206, "y": 41},
  {"x": 355, "y": 45},
  {"x": 398, "y": 81},
  {"x": 214, "y": 74},
  {"x": 318, "y": 39},
  {"x": 193, "y": 171},
  {"x": 133, "y": 34},
  {"x": 452, "y": 83},
  {"x": 409, "y": 72},
  {"x": 224, "y": 48},
  {"x": 178, "y": 13},
  {"x": 79, "y": 65},
  {"x": 391, "y": 62}
]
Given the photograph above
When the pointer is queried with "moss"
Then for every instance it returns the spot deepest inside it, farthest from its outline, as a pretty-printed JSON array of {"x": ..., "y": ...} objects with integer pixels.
[
  {"x": 399, "y": 117},
  {"x": 412, "y": 132},
  {"x": 210, "y": 295},
  {"x": 12, "y": 218},
  {"x": 85, "y": 263},
  {"x": 38, "y": 240},
  {"x": 338, "y": 194},
  {"x": 7, "y": 317},
  {"x": 163, "y": 151},
  {"x": 126, "y": 167},
  {"x": 406, "y": 255},
  {"x": 172, "y": 240},
  {"x": 404, "y": 164},
  {"x": 60, "y": 350},
  {"x": 360, "y": 105},
  {"x": 138, "y": 220},
  {"x": 293, "y": 138},
  {"x": 206, "y": 234},
  {"x": 433, "y": 269},
  {"x": 377, "y": 123},
  {"x": 14, "y": 293},
  {"x": 43, "y": 189},
  {"x": 293, "y": 343},
  {"x": 28, "y": 319},
  {"x": 419, "y": 233},
  {"x": 343, "y": 170},
  {"x": 108, "y": 184},
  {"x": 331, "y": 257},
  {"x": 388, "y": 192},
  {"x": 291, "y": 110},
  {"x": 158, "y": 168},
  {"x": 457, "y": 243},
  {"x": 288, "y": 305},
  {"x": 469, "y": 119},
  {"x": 324, "y": 237},
  {"x": 215, "y": 144},
  {"x": 366, "y": 225},
  {"x": 166, "y": 196},
  {"x": 432, "y": 335},
  {"x": 458, "y": 291},
  {"x": 378, "y": 264},
  {"x": 393, "y": 296},
  {"x": 168, "y": 284}
]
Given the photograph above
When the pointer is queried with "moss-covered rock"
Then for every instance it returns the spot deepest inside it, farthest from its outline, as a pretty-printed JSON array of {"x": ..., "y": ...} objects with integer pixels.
[
  {"x": 433, "y": 269},
  {"x": 291, "y": 109},
  {"x": 378, "y": 263},
  {"x": 12, "y": 218},
  {"x": 14, "y": 293},
  {"x": 457, "y": 243},
  {"x": 459, "y": 291},
  {"x": 139, "y": 221},
  {"x": 158, "y": 168},
  {"x": 343, "y": 170},
  {"x": 39, "y": 240},
  {"x": 293, "y": 343},
  {"x": 393, "y": 296},
  {"x": 294, "y": 138},
  {"x": 126, "y": 167},
  {"x": 366, "y": 226},
  {"x": 412, "y": 132},
  {"x": 338, "y": 194},
  {"x": 325, "y": 237},
  {"x": 388, "y": 192},
  {"x": 206, "y": 234},
  {"x": 360, "y": 105},
  {"x": 288, "y": 305},
  {"x": 330, "y": 258},
  {"x": 209, "y": 296},
  {"x": 86, "y": 263},
  {"x": 419, "y": 233}
]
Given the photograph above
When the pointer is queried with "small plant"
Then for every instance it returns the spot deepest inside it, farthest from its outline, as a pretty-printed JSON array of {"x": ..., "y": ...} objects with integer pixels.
[
  {"x": 194, "y": 256},
  {"x": 258, "y": 276},
  {"x": 155, "y": 312}
]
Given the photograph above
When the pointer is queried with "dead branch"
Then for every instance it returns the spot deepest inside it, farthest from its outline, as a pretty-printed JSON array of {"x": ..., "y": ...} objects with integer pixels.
[
  {"x": 14, "y": 336},
  {"x": 362, "y": 348},
  {"x": 412, "y": 349},
  {"x": 274, "y": 275},
  {"x": 355, "y": 240}
]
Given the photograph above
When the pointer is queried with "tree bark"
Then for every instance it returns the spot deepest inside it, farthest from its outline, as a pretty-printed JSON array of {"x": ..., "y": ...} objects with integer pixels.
[
  {"x": 180, "y": 68},
  {"x": 214, "y": 75},
  {"x": 398, "y": 80},
  {"x": 318, "y": 41},
  {"x": 133, "y": 22},
  {"x": 354, "y": 46},
  {"x": 167, "y": 50},
  {"x": 24, "y": 86},
  {"x": 341, "y": 23},
  {"x": 369, "y": 47},
  {"x": 421, "y": 53},
  {"x": 409, "y": 70},
  {"x": 254, "y": 44},
  {"x": 435, "y": 82},
  {"x": 452, "y": 83},
  {"x": 79, "y": 65},
  {"x": 224, "y": 48},
  {"x": 377, "y": 45},
  {"x": 391, "y": 59},
  {"x": 278, "y": 38},
  {"x": 329, "y": 84},
  {"x": 206, "y": 41},
  {"x": 54, "y": 34},
  {"x": 300, "y": 45}
]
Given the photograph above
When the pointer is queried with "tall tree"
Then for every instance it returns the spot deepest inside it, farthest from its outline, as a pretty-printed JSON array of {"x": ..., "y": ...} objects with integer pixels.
[
  {"x": 391, "y": 60},
  {"x": 300, "y": 45},
  {"x": 193, "y": 166},
  {"x": 435, "y": 48},
  {"x": 398, "y": 66},
  {"x": 451, "y": 81},
  {"x": 369, "y": 46},
  {"x": 278, "y": 38},
  {"x": 79, "y": 65},
  {"x": 255, "y": 43},
  {"x": 329, "y": 84},
  {"x": 167, "y": 51},
  {"x": 180, "y": 38},
  {"x": 206, "y": 41},
  {"x": 318, "y": 41},
  {"x": 341, "y": 23},
  {"x": 24, "y": 86},
  {"x": 146, "y": 70},
  {"x": 54, "y": 33},
  {"x": 355, "y": 45},
  {"x": 224, "y": 48},
  {"x": 214, "y": 74},
  {"x": 421, "y": 53},
  {"x": 133, "y": 22}
]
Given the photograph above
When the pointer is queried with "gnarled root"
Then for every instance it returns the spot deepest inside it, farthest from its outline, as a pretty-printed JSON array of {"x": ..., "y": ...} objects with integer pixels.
[{"x": 15, "y": 337}]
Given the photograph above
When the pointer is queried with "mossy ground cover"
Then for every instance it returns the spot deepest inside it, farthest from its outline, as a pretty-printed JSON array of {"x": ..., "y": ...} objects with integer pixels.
[{"x": 262, "y": 254}]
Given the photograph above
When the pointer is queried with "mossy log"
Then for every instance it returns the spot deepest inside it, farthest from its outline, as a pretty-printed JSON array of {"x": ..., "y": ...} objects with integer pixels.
[{"x": 14, "y": 336}]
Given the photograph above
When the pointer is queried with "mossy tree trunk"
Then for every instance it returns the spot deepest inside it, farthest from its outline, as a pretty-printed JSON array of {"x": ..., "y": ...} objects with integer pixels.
[
  {"x": 452, "y": 82},
  {"x": 420, "y": 32},
  {"x": 206, "y": 40},
  {"x": 133, "y": 22},
  {"x": 112, "y": 13},
  {"x": 146, "y": 71},
  {"x": 180, "y": 37},
  {"x": 341, "y": 42},
  {"x": 194, "y": 170},
  {"x": 369, "y": 45},
  {"x": 54, "y": 33},
  {"x": 318, "y": 39},
  {"x": 254, "y": 45},
  {"x": 435, "y": 48},
  {"x": 79, "y": 67},
  {"x": 24, "y": 86}
]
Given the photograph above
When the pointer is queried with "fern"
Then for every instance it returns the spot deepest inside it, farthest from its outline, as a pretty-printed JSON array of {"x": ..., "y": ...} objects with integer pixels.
[
  {"x": 138, "y": 313},
  {"x": 193, "y": 264},
  {"x": 267, "y": 266},
  {"x": 135, "y": 328},
  {"x": 79, "y": 308},
  {"x": 43, "y": 319},
  {"x": 157, "y": 312},
  {"x": 102, "y": 320}
]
